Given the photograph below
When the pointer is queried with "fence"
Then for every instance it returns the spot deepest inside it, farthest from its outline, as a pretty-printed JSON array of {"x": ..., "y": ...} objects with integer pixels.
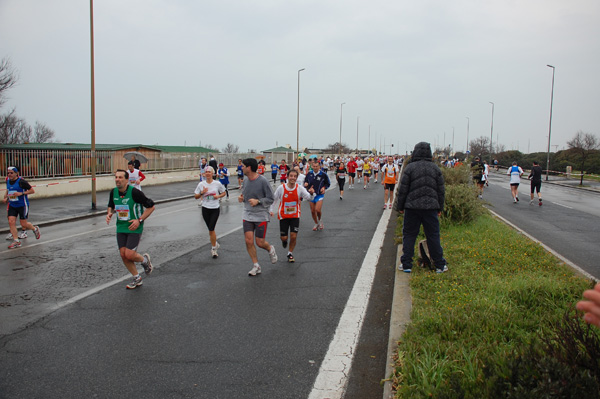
[{"x": 61, "y": 163}]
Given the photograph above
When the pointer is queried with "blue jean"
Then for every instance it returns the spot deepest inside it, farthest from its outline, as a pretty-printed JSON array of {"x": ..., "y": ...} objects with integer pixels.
[{"x": 413, "y": 219}]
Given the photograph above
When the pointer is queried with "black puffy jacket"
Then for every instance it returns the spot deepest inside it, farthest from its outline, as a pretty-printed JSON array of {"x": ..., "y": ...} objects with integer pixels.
[{"x": 422, "y": 183}]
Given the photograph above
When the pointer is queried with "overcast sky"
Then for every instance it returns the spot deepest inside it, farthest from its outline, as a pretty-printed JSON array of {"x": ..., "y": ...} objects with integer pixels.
[{"x": 177, "y": 72}]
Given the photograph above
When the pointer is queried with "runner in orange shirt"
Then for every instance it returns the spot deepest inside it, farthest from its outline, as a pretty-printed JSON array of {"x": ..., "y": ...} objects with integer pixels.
[
  {"x": 390, "y": 174},
  {"x": 289, "y": 195}
]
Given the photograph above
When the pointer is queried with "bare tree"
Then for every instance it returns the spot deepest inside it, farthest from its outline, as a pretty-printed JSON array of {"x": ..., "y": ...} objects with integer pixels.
[
  {"x": 14, "y": 130},
  {"x": 335, "y": 148},
  {"x": 583, "y": 143},
  {"x": 480, "y": 147},
  {"x": 211, "y": 147},
  {"x": 231, "y": 148},
  {"x": 42, "y": 133},
  {"x": 8, "y": 78}
]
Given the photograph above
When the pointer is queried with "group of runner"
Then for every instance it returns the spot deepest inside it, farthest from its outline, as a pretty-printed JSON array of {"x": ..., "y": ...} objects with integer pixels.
[
  {"x": 480, "y": 170},
  {"x": 303, "y": 182}
]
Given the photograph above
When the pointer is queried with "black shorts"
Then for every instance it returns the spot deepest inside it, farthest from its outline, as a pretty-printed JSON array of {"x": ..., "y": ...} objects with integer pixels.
[
  {"x": 389, "y": 186},
  {"x": 291, "y": 224},
  {"x": 536, "y": 185},
  {"x": 21, "y": 211},
  {"x": 367, "y": 174},
  {"x": 210, "y": 217},
  {"x": 351, "y": 174},
  {"x": 128, "y": 240},
  {"x": 514, "y": 184},
  {"x": 258, "y": 228}
]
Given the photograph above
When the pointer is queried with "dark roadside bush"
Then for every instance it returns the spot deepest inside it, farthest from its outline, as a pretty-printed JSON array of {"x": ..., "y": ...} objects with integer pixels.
[
  {"x": 564, "y": 363},
  {"x": 461, "y": 205}
]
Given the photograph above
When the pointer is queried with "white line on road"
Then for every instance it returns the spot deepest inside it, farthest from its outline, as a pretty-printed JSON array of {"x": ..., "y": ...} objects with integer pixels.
[
  {"x": 83, "y": 233},
  {"x": 564, "y": 206},
  {"x": 335, "y": 369},
  {"x": 123, "y": 278},
  {"x": 547, "y": 248}
]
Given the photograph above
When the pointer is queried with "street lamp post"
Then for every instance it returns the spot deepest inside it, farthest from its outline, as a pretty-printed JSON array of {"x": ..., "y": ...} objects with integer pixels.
[
  {"x": 93, "y": 106},
  {"x": 341, "y": 113},
  {"x": 357, "y": 118},
  {"x": 468, "y": 122},
  {"x": 550, "y": 125},
  {"x": 298, "y": 116},
  {"x": 491, "y": 132}
]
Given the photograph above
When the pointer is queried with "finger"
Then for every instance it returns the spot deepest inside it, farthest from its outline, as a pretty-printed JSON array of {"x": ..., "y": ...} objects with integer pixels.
[{"x": 590, "y": 318}]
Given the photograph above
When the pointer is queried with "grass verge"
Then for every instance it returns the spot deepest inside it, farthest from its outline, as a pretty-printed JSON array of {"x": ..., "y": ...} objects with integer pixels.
[{"x": 502, "y": 293}]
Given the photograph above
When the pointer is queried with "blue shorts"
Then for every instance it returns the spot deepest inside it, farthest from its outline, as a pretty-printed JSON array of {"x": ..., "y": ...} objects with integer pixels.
[{"x": 317, "y": 198}]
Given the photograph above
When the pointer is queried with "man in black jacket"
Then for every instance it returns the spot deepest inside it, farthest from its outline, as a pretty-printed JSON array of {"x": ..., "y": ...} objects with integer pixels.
[{"x": 421, "y": 200}]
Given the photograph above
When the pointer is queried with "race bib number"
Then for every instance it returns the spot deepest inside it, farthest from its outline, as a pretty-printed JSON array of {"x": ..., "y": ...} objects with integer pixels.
[
  {"x": 12, "y": 196},
  {"x": 289, "y": 208},
  {"x": 342, "y": 175},
  {"x": 122, "y": 212}
]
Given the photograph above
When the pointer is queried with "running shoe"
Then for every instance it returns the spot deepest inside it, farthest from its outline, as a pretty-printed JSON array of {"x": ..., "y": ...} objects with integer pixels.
[
  {"x": 340, "y": 198},
  {"x": 291, "y": 258},
  {"x": 364, "y": 187},
  {"x": 514, "y": 200},
  {"x": 384, "y": 206},
  {"x": 37, "y": 233},
  {"x": 273, "y": 255},
  {"x": 531, "y": 202},
  {"x": 9, "y": 237},
  {"x": 442, "y": 270},
  {"x": 14, "y": 244},
  {"x": 517, "y": 199},
  {"x": 321, "y": 226},
  {"x": 316, "y": 227},
  {"x": 540, "y": 203},
  {"x": 146, "y": 264},
  {"x": 136, "y": 282},
  {"x": 213, "y": 253},
  {"x": 284, "y": 244},
  {"x": 405, "y": 269},
  {"x": 255, "y": 270},
  {"x": 22, "y": 235}
]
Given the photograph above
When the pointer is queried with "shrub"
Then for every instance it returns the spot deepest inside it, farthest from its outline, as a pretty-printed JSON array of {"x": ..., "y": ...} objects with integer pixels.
[
  {"x": 461, "y": 205},
  {"x": 459, "y": 175}
]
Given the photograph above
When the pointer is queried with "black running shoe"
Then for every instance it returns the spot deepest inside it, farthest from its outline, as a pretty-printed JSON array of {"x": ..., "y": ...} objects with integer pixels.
[
  {"x": 291, "y": 258},
  {"x": 284, "y": 244}
]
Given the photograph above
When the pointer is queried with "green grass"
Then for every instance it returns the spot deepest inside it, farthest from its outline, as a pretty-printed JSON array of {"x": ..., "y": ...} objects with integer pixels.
[{"x": 502, "y": 293}]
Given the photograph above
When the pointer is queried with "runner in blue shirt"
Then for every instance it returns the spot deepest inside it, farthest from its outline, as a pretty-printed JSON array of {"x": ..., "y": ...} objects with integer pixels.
[
  {"x": 240, "y": 173},
  {"x": 224, "y": 177},
  {"x": 274, "y": 170},
  {"x": 317, "y": 182}
]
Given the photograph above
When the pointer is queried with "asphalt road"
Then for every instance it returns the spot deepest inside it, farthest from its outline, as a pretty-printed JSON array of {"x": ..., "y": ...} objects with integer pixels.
[
  {"x": 568, "y": 221},
  {"x": 198, "y": 327}
]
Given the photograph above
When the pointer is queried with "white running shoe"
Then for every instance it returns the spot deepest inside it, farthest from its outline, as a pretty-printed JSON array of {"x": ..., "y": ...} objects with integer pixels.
[
  {"x": 23, "y": 234},
  {"x": 255, "y": 270},
  {"x": 9, "y": 237},
  {"x": 273, "y": 255},
  {"x": 384, "y": 206},
  {"x": 321, "y": 226}
]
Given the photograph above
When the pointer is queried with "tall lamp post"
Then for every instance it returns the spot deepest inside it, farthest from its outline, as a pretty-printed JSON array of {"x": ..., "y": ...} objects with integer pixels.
[
  {"x": 357, "y": 118},
  {"x": 468, "y": 122},
  {"x": 93, "y": 105},
  {"x": 491, "y": 133},
  {"x": 298, "y": 117},
  {"x": 550, "y": 125},
  {"x": 341, "y": 112}
]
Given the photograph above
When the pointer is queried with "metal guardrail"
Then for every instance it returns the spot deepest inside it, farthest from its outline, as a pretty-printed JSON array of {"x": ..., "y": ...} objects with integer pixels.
[{"x": 38, "y": 164}]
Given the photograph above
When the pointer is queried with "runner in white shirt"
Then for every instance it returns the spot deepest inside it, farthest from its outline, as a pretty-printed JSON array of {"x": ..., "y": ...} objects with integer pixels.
[
  {"x": 515, "y": 172},
  {"x": 135, "y": 176},
  {"x": 211, "y": 191}
]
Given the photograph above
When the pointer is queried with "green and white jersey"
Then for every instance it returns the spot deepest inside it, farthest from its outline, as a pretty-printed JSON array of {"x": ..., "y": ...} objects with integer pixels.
[{"x": 127, "y": 209}]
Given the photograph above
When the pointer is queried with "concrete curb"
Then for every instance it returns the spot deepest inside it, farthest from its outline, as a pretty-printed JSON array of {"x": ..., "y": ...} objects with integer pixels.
[{"x": 399, "y": 320}]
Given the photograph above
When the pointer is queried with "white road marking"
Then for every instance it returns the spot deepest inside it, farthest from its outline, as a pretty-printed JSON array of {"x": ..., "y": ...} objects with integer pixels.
[
  {"x": 334, "y": 371},
  {"x": 564, "y": 206},
  {"x": 547, "y": 248},
  {"x": 123, "y": 278},
  {"x": 84, "y": 233}
]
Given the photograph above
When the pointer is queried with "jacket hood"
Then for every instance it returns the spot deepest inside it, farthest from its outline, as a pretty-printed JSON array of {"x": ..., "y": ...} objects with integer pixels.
[{"x": 422, "y": 151}]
